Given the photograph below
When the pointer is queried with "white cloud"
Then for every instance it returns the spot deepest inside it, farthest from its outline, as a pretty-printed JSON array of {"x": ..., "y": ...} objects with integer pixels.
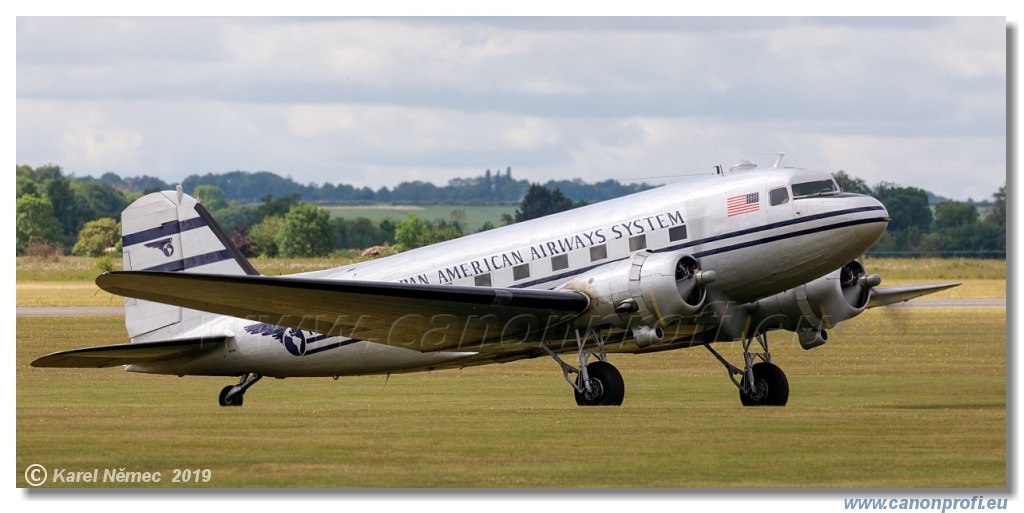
[{"x": 378, "y": 101}]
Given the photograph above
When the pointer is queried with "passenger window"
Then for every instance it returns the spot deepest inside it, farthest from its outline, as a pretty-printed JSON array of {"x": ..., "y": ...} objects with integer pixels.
[
  {"x": 637, "y": 243},
  {"x": 559, "y": 262},
  {"x": 598, "y": 253},
  {"x": 677, "y": 233},
  {"x": 482, "y": 280},
  {"x": 521, "y": 272},
  {"x": 778, "y": 196}
]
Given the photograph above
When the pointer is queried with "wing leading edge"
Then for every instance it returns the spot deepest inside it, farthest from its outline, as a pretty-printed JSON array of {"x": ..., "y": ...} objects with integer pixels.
[
  {"x": 412, "y": 316},
  {"x": 891, "y": 295}
]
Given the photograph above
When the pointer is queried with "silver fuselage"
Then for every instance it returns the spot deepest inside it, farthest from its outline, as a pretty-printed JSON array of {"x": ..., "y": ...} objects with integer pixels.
[{"x": 756, "y": 248}]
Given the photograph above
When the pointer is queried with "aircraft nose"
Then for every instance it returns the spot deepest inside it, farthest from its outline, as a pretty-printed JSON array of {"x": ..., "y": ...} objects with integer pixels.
[{"x": 877, "y": 218}]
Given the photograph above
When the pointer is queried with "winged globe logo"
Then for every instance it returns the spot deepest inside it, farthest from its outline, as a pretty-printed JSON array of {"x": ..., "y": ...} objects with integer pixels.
[{"x": 163, "y": 245}]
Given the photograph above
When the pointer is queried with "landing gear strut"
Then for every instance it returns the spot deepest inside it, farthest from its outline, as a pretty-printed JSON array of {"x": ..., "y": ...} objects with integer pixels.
[
  {"x": 762, "y": 383},
  {"x": 596, "y": 384},
  {"x": 231, "y": 395}
]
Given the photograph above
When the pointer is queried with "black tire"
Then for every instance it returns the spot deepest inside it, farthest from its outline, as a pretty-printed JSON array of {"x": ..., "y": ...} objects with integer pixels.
[
  {"x": 236, "y": 400},
  {"x": 773, "y": 385},
  {"x": 607, "y": 383}
]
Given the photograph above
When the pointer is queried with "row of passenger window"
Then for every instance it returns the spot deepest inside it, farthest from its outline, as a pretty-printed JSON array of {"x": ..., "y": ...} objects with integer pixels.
[{"x": 597, "y": 253}]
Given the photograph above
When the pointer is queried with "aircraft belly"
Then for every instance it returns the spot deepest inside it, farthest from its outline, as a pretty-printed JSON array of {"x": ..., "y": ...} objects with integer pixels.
[{"x": 338, "y": 356}]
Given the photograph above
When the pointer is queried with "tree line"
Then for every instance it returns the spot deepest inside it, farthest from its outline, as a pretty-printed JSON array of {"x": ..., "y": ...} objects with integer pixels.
[
  {"x": 57, "y": 213},
  {"x": 497, "y": 187},
  {"x": 947, "y": 229}
]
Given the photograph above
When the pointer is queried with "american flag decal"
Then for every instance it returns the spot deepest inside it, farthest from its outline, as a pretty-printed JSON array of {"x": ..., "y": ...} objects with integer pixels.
[{"x": 743, "y": 204}]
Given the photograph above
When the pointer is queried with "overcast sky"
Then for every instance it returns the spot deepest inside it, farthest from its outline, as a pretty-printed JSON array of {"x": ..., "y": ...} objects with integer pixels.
[{"x": 916, "y": 101}]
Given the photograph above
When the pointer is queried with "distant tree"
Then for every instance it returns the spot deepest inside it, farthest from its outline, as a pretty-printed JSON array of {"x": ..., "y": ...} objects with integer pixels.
[
  {"x": 954, "y": 214},
  {"x": 97, "y": 200},
  {"x": 850, "y": 183},
  {"x": 211, "y": 197},
  {"x": 359, "y": 233},
  {"x": 411, "y": 233},
  {"x": 25, "y": 182},
  {"x": 387, "y": 231},
  {"x": 96, "y": 236},
  {"x": 35, "y": 222},
  {"x": 263, "y": 236},
  {"x": 997, "y": 215},
  {"x": 907, "y": 206},
  {"x": 235, "y": 218},
  {"x": 274, "y": 207},
  {"x": 541, "y": 201},
  {"x": 65, "y": 208},
  {"x": 414, "y": 232},
  {"x": 306, "y": 232}
]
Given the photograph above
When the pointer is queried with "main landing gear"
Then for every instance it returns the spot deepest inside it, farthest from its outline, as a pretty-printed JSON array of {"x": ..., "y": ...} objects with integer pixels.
[
  {"x": 597, "y": 383},
  {"x": 231, "y": 395},
  {"x": 762, "y": 383}
]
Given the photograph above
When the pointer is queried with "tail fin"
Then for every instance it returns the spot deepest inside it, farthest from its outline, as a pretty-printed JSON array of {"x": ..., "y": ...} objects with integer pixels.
[{"x": 171, "y": 231}]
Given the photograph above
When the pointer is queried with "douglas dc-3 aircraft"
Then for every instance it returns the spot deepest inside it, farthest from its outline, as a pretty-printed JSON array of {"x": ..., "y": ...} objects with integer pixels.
[{"x": 723, "y": 258}]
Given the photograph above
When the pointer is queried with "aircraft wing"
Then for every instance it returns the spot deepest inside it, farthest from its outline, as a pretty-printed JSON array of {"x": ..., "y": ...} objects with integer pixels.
[
  {"x": 413, "y": 316},
  {"x": 882, "y": 296},
  {"x": 125, "y": 354}
]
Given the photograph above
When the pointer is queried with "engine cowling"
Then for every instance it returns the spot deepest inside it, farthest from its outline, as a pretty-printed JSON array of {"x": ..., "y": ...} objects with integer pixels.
[
  {"x": 643, "y": 292},
  {"x": 813, "y": 308}
]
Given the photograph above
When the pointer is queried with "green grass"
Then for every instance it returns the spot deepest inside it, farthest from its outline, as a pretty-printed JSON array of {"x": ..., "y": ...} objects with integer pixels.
[
  {"x": 473, "y": 217},
  {"x": 936, "y": 268},
  {"x": 896, "y": 399}
]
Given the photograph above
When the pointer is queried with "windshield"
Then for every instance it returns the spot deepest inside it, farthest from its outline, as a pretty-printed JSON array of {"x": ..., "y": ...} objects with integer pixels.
[{"x": 814, "y": 188}]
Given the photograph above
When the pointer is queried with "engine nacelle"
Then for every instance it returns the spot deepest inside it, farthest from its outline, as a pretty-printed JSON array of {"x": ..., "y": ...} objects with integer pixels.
[
  {"x": 813, "y": 308},
  {"x": 647, "y": 289}
]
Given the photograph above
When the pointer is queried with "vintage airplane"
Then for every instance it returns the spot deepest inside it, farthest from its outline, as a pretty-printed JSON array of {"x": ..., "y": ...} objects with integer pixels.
[{"x": 723, "y": 258}]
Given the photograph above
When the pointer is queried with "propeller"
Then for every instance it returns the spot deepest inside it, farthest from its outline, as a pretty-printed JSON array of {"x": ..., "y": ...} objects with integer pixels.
[
  {"x": 690, "y": 280},
  {"x": 856, "y": 284}
]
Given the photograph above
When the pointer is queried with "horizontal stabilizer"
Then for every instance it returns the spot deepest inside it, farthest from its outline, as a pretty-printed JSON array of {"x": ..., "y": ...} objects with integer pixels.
[
  {"x": 412, "y": 316},
  {"x": 125, "y": 354},
  {"x": 890, "y": 295}
]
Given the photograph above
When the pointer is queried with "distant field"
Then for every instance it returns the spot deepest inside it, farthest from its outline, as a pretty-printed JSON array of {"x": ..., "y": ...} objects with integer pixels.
[
  {"x": 473, "y": 216},
  {"x": 905, "y": 398}
]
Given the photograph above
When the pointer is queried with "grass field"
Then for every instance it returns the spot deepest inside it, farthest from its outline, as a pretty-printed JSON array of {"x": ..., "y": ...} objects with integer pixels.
[
  {"x": 899, "y": 398},
  {"x": 907, "y": 398}
]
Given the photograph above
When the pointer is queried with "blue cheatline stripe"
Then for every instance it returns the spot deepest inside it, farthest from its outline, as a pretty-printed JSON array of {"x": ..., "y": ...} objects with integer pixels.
[
  {"x": 770, "y": 226},
  {"x": 784, "y": 236},
  {"x": 162, "y": 231},
  {"x": 194, "y": 261},
  {"x": 724, "y": 249},
  {"x": 334, "y": 345}
]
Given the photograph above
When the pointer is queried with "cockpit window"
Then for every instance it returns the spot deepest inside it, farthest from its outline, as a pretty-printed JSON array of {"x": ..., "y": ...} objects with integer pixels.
[
  {"x": 819, "y": 187},
  {"x": 778, "y": 196}
]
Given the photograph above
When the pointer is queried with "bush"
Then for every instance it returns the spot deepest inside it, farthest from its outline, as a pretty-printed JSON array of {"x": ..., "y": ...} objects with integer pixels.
[
  {"x": 104, "y": 264},
  {"x": 44, "y": 250}
]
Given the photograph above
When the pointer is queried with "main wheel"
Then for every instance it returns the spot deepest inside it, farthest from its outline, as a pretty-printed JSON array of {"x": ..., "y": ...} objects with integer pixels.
[
  {"x": 771, "y": 388},
  {"x": 235, "y": 400},
  {"x": 606, "y": 385}
]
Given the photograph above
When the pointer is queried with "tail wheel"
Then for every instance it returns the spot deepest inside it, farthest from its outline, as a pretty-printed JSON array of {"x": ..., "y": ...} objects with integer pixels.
[
  {"x": 770, "y": 388},
  {"x": 606, "y": 386},
  {"x": 230, "y": 400}
]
